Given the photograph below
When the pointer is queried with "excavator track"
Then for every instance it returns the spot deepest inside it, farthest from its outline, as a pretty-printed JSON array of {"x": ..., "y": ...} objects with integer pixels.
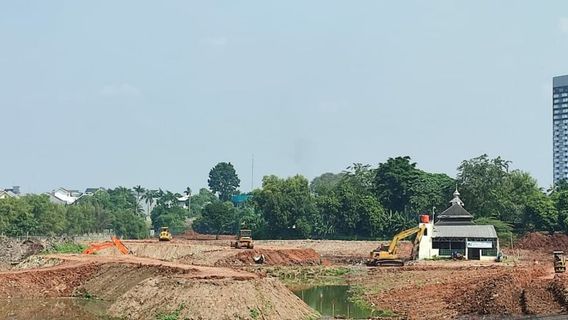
[{"x": 385, "y": 263}]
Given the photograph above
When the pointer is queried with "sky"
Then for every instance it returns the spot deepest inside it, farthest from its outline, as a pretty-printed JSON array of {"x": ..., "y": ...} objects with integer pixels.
[{"x": 125, "y": 93}]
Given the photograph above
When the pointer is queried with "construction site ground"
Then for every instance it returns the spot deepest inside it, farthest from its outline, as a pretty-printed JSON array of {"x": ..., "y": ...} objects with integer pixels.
[{"x": 206, "y": 279}]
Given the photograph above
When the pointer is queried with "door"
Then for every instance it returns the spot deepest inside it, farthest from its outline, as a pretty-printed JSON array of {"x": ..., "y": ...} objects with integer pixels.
[{"x": 473, "y": 254}]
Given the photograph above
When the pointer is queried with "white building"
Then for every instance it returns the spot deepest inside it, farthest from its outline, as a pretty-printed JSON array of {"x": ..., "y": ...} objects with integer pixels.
[
  {"x": 64, "y": 196},
  {"x": 455, "y": 232}
]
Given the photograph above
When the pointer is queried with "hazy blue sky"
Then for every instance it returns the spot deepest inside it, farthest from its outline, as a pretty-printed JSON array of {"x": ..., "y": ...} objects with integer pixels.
[{"x": 107, "y": 93}]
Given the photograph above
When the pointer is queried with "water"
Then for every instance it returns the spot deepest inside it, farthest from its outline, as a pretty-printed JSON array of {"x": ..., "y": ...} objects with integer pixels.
[
  {"x": 333, "y": 301},
  {"x": 53, "y": 308}
]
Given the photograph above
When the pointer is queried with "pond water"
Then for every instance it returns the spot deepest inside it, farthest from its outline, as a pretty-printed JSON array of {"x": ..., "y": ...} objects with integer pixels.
[
  {"x": 333, "y": 301},
  {"x": 54, "y": 308}
]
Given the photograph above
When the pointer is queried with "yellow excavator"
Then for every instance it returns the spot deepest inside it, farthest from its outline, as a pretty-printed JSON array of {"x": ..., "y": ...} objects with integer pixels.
[{"x": 388, "y": 255}]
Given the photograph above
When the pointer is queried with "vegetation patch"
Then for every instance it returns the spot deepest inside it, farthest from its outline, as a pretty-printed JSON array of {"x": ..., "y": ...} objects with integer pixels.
[
  {"x": 358, "y": 294},
  {"x": 174, "y": 315},
  {"x": 298, "y": 278},
  {"x": 67, "y": 247}
]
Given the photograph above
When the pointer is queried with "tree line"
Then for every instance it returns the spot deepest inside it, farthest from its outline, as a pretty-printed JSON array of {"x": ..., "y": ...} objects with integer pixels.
[{"x": 360, "y": 202}]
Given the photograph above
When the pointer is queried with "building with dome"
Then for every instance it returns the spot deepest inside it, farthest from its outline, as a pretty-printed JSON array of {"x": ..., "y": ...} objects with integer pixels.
[{"x": 453, "y": 231}]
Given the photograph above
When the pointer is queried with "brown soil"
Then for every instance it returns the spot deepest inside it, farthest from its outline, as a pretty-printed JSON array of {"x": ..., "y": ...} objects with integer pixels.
[
  {"x": 284, "y": 257},
  {"x": 219, "y": 253},
  {"x": 449, "y": 291},
  {"x": 13, "y": 251},
  {"x": 141, "y": 288},
  {"x": 207, "y": 278},
  {"x": 543, "y": 242}
]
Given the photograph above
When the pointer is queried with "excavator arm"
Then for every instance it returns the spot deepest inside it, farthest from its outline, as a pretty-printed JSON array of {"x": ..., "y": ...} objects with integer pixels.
[
  {"x": 393, "y": 246},
  {"x": 389, "y": 256},
  {"x": 100, "y": 246}
]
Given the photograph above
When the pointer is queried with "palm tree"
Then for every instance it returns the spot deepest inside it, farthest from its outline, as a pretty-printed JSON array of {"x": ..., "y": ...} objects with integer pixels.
[
  {"x": 149, "y": 196},
  {"x": 188, "y": 194},
  {"x": 139, "y": 192}
]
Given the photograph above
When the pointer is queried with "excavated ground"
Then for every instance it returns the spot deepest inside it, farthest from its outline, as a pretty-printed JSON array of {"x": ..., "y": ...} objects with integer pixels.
[
  {"x": 141, "y": 288},
  {"x": 205, "y": 279}
]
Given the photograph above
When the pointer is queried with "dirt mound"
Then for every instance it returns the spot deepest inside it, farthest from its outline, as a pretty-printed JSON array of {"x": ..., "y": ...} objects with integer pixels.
[
  {"x": 139, "y": 288},
  {"x": 521, "y": 291},
  {"x": 13, "y": 251},
  {"x": 256, "y": 299},
  {"x": 286, "y": 257},
  {"x": 543, "y": 242},
  {"x": 60, "y": 281},
  {"x": 37, "y": 261}
]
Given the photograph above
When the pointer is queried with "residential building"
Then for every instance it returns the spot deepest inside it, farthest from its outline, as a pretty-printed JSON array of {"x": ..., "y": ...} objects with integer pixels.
[
  {"x": 64, "y": 196},
  {"x": 560, "y": 127},
  {"x": 455, "y": 232},
  {"x": 14, "y": 192}
]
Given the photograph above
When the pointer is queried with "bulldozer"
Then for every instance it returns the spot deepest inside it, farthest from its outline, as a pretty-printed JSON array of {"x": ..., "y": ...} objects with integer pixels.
[
  {"x": 388, "y": 255},
  {"x": 165, "y": 234},
  {"x": 559, "y": 262},
  {"x": 115, "y": 242},
  {"x": 243, "y": 239}
]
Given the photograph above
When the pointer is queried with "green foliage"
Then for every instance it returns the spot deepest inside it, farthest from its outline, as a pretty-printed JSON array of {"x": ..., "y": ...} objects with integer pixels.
[
  {"x": 68, "y": 247},
  {"x": 325, "y": 183},
  {"x": 287, "y": 206},
  {"x": 174, "y": 315},
  {"x": 394, "y": 180},
  {"x": 254, "y": 313},
  {"x": 223, "y": 180},
  {"x": 489, "y": 189},
  {"x": 171, "y": 216},
  {"x": 200, "y": 200},
  {"x": 36, "y": 215},
  {"x": 217, "y": 217}
]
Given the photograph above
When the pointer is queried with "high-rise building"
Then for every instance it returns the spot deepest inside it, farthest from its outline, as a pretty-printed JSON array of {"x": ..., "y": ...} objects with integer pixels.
[{"x": 560, "y": 126}]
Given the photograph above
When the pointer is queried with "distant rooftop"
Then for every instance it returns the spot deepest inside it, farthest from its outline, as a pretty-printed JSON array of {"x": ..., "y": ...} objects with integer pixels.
[{"x": 560, "y": 81}]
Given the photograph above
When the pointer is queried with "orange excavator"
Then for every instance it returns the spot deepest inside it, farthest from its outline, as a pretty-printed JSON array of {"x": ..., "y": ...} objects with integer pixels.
[{"x": 100, "y": 246}]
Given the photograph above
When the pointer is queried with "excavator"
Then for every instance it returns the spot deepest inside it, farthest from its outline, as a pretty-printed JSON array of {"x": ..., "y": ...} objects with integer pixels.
[
  {"x": 388, "y": 255},
  {"x": 115, "y": 242}
]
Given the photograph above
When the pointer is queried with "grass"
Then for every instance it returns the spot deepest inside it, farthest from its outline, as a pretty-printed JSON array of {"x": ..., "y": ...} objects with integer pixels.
[
  {"x": 297, "y": 278},
  {"x": 254, "y": 313},
  {"x": 357, "y": 296},
  {"x": 174, "y": 315},
  {"x": 67, "y": 247}
]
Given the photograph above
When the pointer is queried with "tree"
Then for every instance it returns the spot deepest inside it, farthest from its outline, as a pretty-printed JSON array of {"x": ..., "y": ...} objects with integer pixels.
[
  {"x": 393, "y": 183},
  {"x": 219, "y": 216},
  {"x": 149, "y": 197},
  {"x": 325, "y": 183},
  {"x": 430, "y": 190},
  {"x": 223, "y": 180},
  {"x": 173, "y": 217},
  {"x": 188, "y": 201},
  {"x": 287, "y": 206},
  {"x": 200, "y": 200},
  {"x": 139, "y": 193},
  {"x": 482, "y": 183}
]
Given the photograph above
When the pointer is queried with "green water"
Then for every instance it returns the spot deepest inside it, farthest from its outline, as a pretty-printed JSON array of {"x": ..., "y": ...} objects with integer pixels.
[
  {"x": 54, "y": 308},
  {"x": 333, "y": 301}
]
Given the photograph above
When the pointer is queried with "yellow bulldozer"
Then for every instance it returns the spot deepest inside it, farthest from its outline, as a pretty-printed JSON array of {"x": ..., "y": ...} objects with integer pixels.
[
  {"x": 243, "y": 240},
  {"x": 388, "y": 255},
  {"x": 165, "y": 234}
]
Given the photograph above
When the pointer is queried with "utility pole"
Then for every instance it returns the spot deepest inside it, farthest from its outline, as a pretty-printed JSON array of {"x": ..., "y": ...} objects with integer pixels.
[{"x": 252, "y": 174}]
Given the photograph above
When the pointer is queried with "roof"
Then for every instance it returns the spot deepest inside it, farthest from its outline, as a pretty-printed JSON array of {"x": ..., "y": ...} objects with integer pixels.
[
  {"x": 455, "y": 211},
  {"x": 469, "y": 231}
]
